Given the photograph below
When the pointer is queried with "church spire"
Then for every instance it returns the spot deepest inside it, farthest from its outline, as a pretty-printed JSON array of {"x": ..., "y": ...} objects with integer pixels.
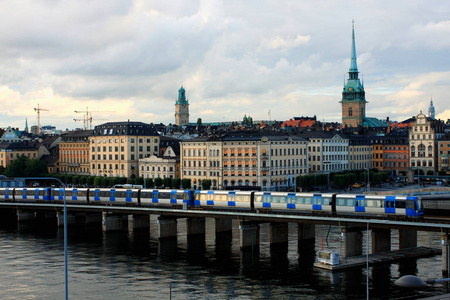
[
  {"x": 353, "y": 71},
  {"x": 26, "y": 125}
]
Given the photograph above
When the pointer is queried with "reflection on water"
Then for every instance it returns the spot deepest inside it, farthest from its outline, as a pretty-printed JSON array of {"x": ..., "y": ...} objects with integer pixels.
[{"x": 135, "y": 264}]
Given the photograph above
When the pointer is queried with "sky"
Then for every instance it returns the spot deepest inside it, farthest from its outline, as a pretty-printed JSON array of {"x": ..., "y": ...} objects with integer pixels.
[{"x": 126, "y": 60}]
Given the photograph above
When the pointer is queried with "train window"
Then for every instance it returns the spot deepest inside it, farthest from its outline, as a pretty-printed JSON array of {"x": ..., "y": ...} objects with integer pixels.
[
  {"x": 326, "y": 201},
  {"x": 258, "y": 198},
  {"x": 179, "y": 196},
  {"x": 203, "y": 197},
  {"x": 400, "y": 204},
  {"x": 410, "y": 204}
]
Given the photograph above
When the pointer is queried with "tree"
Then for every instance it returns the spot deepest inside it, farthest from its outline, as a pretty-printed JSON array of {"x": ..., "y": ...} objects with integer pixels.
[
  {"x": 149, "y": 183},
  {"x": 206, "y": 184},
  {"x": 90, "y": 180},
  {"x": 105, "y": 181},
  {"x": 98, "y": 181},
  {"x": 35, "y": 168},
  {"x": 83, "y": 180},
  {"x": 17, "y": 167},
  {"x": 75, "y": 179},
  {"x": 176, "y": 183},
  {"x": 158, "y": 182},
  {"x": 130, "y": 180},
  {"x": 2, "y": 170},
  {"x": 167, "y": 181},
  {"x": 139, "y": 180},
  {"x": 186, "y": 183}
]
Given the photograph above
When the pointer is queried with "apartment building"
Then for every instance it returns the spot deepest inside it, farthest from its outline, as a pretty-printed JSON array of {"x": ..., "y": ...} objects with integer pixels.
[
  {"x": 11, "y": 151},
  {"x": 74, "y": 152},
  {"x": 444, "y": 153},
  {"x": 116, "y": 147},
  {"x": 165, "y": 166},
  {"x": 396, "y": 155},
  {"x": 360, "y": 153}
]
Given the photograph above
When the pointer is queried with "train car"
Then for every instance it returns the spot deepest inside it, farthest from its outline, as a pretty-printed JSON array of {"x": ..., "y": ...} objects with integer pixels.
[
  {"x": 305, "y": 202},
  {"x": 227, "y": 199},
  {"x": 72, "y": 195},
  {"x": 378, "y": 205},
  {"x": 164, "y": 197},
  {"x": 6, "y": 194},
  {"x": 126, "y": 196},
  {"x": 32, "y": 194}
]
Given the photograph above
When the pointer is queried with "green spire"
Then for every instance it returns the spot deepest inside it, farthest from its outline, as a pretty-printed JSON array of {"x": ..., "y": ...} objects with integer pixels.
[
  {"x": 353, "y": 66},
  {"x": 182, "y": 96},
  {"x": 26, "y": 125}
]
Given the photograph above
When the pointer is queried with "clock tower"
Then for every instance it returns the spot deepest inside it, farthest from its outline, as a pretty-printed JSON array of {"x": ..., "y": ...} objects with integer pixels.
[
  {"x": 182, "y": 109},
  {"x": 353, "y": 95}
]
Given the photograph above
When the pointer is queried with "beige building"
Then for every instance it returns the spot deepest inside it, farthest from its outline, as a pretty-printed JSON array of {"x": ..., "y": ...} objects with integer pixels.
[
  {"x": 241, "y": 159},
  {"x": 116, "y": 147},
  {"x": 166, "y": 166},
  {"x": 360, "y": 153},
  {"x": 327, "y": 152},
  {"x": 423, "y": 137},
  {"x": 11, "y": 151},
  {"x": 74, "y": 152}
]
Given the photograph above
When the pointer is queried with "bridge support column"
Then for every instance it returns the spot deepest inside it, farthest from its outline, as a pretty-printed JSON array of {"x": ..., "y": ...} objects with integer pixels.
[
  {"x": 249, "y": 236},
  {"x": 24, "y": 216},
  {"x": 138, "y": 221},
  {"x": 445, "y": 255},
  {"x": 407, "y": 238},
  {"x": 88, "y": 218},
  {"x": 167, "y": 227},
  {"x": 223, "y": 225},
  {"x": 306, "y": 232},
  {"x": 111, "y": 222},
  {"x": 352, "y": 245},
  {"x": 195, "y": 226},
  {"x": 60, "y": 219},
  {"x": 278, "y": 233},
  {"x": 381, "y": 240}
]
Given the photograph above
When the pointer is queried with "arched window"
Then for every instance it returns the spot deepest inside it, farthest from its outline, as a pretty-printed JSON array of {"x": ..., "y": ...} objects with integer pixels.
[
  {"x": 430, "y": 151},
  {"x": 430, "y": 163},
  {"x": 413, "y": 151},
  {"x": 421, "y": 150},
  {"x": 350, "y": 111}
]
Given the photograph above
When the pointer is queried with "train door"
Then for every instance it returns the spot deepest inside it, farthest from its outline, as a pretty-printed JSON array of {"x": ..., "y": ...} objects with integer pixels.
[
  {"x": 411, "y": 207},
  {"x": 7, "y": 194},
  {"x": 173, "y": 197},
  {"x": 360, "y": 203},
  {"x": 74, "y": 194},
  {"x": 210, "y": 198},
  {"x": 317, "y": 202},
  {"x": 231, "y": 198},
  {"x": 128, "y": 195},
  {"x": 112, "y": 195},
  {"x": 36, "y": 194},
  {"x": 389, "y": 205},
  {"x": 155, "y": 197},
  {"x": 97, "y": 195},
  {"x": 61, "y": 194},
  {"x": 267, "y": 199},
  {"x": 291, "y": 200}
]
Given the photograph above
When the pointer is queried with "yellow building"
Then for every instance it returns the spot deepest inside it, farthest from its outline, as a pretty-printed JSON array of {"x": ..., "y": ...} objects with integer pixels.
[
  {"x": 11, "y": 151},
  {"x": 74, "y": 152},
  {"x": 116, "y": 147}
]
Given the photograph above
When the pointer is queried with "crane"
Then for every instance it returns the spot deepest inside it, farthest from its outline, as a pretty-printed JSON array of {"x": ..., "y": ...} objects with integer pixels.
[
  {"x": 88, "y": 116},
  {"x": 38, "y": 109}
]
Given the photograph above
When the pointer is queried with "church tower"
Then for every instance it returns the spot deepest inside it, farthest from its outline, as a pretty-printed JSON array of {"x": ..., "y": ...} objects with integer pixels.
[
  {"x": 181, "y": 109},
  {"x": 431, "y": 111},
  {"x": 353, "y": 94}
]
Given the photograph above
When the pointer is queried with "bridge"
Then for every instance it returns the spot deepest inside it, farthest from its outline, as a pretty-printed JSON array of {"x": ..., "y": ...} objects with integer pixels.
[{"x": 117, "y": 217}]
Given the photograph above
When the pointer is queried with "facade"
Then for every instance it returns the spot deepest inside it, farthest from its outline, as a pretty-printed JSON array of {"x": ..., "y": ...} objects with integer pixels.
[
  {"x": 423, "y": 137},
  {"x": 116, "y": 147},
  {"x": 396, "y": 155},
  {"x": 327, "y": 152},
  {"x": 353, "y": 95},
  {"x": 239, "y": 159},
  {"x": 74, "y": 152},
  {"x": 11, "y": 151},
  {"x": 378, "y": 153},
  {"x": 444, "y": 153},
  {"x": 11, "y": 135},
  {"x": 182, "y": 109},
  {"x": 360, "y": 153},
  {"x": 166, "y": 166}
]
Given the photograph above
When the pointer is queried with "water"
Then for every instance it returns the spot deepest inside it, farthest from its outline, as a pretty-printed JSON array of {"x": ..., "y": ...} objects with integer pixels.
[{"x": 135, "y": 265}]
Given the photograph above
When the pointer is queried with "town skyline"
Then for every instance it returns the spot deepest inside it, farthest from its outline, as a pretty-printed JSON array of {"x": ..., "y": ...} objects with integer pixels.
[{"x": 232, "y": 58}]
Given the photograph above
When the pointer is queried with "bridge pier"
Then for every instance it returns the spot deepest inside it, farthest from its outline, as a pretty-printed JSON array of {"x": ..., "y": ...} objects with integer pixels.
[
  {"x": 381, "y": 240},
  {"x": 88, "y": 218},
  {"x": 195, "y": 226},
  {"x": 278, "y": 233},
  {"x": 24, "y": 215},
  {"x": 60, "y": 218},
  {"x": 113, "y": 222},
  {"x": 138, "y": 221},
  {"x": 223, "y": 225},
  {"x": 167, "y": 227},
  {"x": 407, "y": 238},
  {"x": 352, "y": 245},
  {"x": 445, "y": 255},
  {"x": 249, "y": 234},
  {"x": 306, "y": 232}
]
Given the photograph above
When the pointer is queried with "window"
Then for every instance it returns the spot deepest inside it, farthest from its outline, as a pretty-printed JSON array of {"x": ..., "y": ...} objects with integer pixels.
[{"x": 350, "y": 111}]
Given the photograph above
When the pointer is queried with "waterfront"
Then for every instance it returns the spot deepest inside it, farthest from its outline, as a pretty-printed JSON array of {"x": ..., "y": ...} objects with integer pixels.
[{"x": 124, "y": 265}]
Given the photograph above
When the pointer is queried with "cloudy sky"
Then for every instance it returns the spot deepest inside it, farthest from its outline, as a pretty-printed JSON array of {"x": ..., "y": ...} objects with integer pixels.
[{"x": 127, "y": 59}]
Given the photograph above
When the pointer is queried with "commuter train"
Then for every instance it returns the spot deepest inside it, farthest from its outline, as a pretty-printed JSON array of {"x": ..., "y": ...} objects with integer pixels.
[{"x": 260, "y": 201}]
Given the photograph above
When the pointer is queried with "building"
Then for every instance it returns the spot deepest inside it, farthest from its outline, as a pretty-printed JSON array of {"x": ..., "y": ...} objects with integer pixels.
[
  {"x": 116, "y": 147},
  {"x": 396, "y": 155},
  {"x": 10, "y": 135},
  {"x": 165, "y": 166},
  {"x": 431, "y": 110},
  {"x": 11, "y": 151},
  {"x": 74, "y": 152},
  {"x": 244, "y": 159},
  {"x": 360, "y": 153},
  {"x": 182, "y": 109},
  {"x": 444, "y": 153},
  {"x": 423, "y": 137},
  {"x": 353, "y": 95},
  {"x": 327, "y": 151}
]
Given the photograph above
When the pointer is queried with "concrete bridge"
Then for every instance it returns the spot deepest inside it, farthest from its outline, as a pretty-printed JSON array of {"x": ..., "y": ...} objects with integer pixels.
[{"x": 118, "y": 217}]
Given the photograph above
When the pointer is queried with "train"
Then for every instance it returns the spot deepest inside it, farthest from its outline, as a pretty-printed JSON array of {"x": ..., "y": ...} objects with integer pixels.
[{"x": 252, "y": 201}]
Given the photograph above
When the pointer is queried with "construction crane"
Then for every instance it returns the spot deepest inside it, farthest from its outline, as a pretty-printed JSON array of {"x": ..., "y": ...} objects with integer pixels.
[
  {"x": 38, "y": 109},
  {"x": 90, "y": 119},
  {"x": 88, "y": 116}
]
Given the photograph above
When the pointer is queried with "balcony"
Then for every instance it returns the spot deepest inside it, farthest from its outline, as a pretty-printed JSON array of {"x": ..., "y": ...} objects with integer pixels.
[
  {"x": 265, "y": 169},
  {"x": 264, "y": 156}
]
